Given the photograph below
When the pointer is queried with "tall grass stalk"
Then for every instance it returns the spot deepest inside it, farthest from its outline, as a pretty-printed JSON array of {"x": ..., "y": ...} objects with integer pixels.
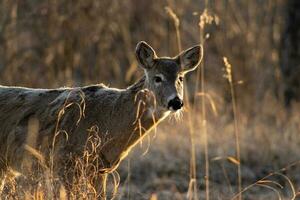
[
  {"x": 203, "y": 110},
  {"x": 204, "y": 19},
  {"x": 204, "y": 128},
  {"x": 193, "y": 189},
  {"x": 236, "y": 129}
]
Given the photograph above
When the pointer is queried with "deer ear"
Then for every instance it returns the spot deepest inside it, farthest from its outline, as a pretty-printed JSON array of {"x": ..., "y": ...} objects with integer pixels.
[
  {"x": 190, "y": 58},
  {"x": 145, "y": 55}
]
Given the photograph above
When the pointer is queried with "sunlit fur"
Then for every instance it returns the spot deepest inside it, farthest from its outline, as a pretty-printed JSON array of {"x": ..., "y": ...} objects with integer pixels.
[{"x": 94, "y": 123}]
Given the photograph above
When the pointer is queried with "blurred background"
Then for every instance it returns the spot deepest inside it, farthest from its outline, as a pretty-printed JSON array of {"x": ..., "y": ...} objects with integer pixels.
[{"x": 48, "y": 44}]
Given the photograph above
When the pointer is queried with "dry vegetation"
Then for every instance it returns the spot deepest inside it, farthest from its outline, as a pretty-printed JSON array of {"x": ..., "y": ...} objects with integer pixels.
[{"x": 236, "y": 105}]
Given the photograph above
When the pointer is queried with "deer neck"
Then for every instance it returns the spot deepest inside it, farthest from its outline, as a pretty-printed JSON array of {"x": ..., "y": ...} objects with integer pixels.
[
  {"x": 145, "y": 117},
  {"x": 143, "y": 94}
]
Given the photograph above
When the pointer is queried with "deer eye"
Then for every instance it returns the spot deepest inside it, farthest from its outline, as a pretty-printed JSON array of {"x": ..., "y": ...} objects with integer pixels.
[
  {"x": 157, "y": 79},
  {"x": 180, "y": 78}
]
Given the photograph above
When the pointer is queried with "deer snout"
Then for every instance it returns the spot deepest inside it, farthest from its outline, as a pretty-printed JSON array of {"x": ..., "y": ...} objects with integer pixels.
[{"x": 175, "y": 103}]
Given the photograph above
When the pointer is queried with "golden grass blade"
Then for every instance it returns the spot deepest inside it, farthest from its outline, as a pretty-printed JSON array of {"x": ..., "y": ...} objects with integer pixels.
[
  {"x": 269, "y": 181},
  {"x": 233, "y": 160}
]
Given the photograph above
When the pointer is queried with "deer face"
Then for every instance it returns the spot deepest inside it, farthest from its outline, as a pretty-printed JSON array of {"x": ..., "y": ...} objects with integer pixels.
[{"x": 164, "y": 76}]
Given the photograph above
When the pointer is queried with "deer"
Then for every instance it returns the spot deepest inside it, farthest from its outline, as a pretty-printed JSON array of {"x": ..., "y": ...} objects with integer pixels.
[{"x": 67, "y": 118}]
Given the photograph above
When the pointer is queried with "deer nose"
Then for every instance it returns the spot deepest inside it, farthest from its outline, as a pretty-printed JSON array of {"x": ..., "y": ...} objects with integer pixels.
[{"x": 175, "y": 103}]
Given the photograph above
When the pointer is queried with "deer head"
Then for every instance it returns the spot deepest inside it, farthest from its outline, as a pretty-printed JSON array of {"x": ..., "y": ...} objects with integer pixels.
[{"x": 165, "y": 75}]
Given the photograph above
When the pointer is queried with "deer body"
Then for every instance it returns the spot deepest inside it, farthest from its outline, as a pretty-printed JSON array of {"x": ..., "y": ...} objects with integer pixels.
[
  {"x": 67, "y": 116},
  {"x": 104, "y": 107}
]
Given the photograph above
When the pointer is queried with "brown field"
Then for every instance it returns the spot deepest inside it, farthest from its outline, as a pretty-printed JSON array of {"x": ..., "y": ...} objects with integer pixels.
[{"x": 236, "y": 138}]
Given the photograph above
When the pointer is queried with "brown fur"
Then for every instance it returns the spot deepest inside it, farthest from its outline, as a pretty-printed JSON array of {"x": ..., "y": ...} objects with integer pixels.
[{"x": 67, "y": 116}]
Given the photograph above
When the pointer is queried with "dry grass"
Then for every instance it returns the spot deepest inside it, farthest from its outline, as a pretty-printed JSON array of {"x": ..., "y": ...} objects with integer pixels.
[
  {"x": 236, "y": 140},
  {"x": 164, "y": 171}
]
